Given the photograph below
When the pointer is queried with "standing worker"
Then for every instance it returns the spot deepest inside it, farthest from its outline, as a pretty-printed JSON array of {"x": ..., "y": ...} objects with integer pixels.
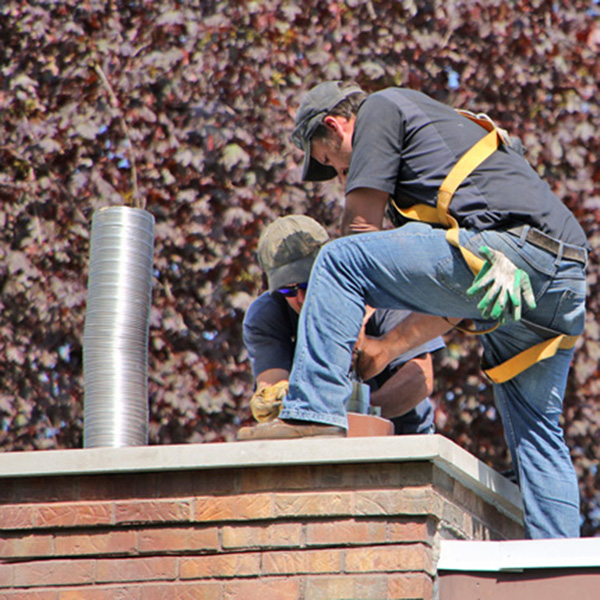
[
  {"x": 287, "y": 249},
  {"x": 462, "y": 193}
]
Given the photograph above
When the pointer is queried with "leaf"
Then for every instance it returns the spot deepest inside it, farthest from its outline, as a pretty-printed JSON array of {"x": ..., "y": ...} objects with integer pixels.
[
  {"x": 235, "y": 156},
  {"x": 372, "y": 69},
  {"x": 87, "y": 130},
  {"x": 171, "y": 17},
  {"x": 15, "y": 355},
  {"x": 49, "y": 145},
  {"x": 18, "y": 262},
  {"x": 23, "y": 81}
]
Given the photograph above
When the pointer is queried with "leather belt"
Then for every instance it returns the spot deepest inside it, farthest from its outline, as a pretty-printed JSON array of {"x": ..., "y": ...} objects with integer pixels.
[{"x": 545, "y": 242}]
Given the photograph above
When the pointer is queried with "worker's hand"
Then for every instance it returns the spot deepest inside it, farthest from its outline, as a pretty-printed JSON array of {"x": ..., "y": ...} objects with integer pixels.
[
  {"x": 506, "y": 287},
  {"x": 370, "y": 357},
  {"x": 360, "y": 342},
  {"x": 266, "y": 402}
]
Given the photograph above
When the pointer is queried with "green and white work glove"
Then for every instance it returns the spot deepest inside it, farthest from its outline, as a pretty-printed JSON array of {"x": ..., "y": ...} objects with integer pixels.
[{"x": 508, "y": 286}]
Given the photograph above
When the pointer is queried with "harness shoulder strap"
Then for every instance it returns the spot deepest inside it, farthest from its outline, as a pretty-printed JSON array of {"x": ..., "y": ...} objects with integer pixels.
[{"x": 440, "y": 215}]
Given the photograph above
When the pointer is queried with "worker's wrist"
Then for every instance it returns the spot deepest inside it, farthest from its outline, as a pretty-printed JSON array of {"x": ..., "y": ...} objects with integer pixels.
[{"x": 392, "y": 345}]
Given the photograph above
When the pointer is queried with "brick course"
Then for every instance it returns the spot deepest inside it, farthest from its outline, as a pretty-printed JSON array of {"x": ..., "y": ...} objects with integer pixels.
[{"x": 303, "y": 532}]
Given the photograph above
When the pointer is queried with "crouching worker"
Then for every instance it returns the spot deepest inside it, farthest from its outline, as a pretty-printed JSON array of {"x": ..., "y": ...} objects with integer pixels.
[{"x": 286, "y": 251}]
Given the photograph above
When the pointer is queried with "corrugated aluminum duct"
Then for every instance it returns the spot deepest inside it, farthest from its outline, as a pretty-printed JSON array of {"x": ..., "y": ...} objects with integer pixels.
[{"x": 117, "y": 320}]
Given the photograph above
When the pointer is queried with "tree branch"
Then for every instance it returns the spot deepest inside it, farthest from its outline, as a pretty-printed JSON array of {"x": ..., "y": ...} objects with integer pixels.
[{"x": 138, "y": 202}]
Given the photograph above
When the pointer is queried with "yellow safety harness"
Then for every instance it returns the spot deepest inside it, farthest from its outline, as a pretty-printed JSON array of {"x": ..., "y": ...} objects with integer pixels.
[{"x": 440, "y": 215}]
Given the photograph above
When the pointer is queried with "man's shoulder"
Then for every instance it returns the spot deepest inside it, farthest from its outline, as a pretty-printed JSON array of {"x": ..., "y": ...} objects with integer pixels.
[
  {"x": 397, "y": 95},
  {"x": 263, "y": 307},
  {"x": 269, "y": 313},
  {"x": 403, "y": 104}
]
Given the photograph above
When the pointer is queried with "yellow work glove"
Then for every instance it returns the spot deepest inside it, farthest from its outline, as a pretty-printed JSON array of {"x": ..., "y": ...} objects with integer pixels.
[{"x": 266, "y": 403}]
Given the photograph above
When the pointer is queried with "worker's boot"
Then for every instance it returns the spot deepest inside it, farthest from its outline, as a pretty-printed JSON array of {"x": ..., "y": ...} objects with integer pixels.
[{"x": 286, "y": 430}]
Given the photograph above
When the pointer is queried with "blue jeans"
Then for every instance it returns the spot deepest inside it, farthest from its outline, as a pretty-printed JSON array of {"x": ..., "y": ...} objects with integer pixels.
[{"x": 414, "y": 267}]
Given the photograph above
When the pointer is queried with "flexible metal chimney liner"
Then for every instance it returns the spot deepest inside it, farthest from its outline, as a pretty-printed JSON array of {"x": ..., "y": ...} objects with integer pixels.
[{"x": 117, "y": 320}]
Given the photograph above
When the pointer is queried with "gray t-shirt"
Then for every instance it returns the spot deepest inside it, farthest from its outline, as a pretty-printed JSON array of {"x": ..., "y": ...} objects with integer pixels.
[
  {"x": 270, "y": 337},
  {"x": 405, "y": 143}
]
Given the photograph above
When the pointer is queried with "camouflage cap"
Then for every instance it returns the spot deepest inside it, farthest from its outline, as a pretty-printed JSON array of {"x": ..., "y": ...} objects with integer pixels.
[{"x": 287, "y": 249}]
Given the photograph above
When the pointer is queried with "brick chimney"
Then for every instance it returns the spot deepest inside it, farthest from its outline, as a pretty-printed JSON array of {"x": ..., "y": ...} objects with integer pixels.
[{"x": 314, "y": 519}]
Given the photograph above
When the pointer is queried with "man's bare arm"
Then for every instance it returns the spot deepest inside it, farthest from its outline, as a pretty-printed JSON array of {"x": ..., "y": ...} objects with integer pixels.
[
  {"x": 376, "y": 353},
  {"x": 409, "y": 385},
  {"x": 364, "y": 210}
]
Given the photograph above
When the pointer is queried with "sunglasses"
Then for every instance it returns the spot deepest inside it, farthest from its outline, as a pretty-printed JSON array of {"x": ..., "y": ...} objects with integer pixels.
[{"x": 291, "y": 291}]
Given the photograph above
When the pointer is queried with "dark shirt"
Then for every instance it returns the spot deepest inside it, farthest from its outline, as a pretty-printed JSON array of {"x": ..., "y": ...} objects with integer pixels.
[
  {"x": 405, "y": 143},
  {"x": 270, "y": 328}
]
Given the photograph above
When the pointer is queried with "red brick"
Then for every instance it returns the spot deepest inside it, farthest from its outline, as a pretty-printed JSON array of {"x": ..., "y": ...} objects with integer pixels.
[
  {"x": 273, "y": 478},
  {"x": 410, "y": 586},
  {"x": 194, "y": 483},
  {"x": 22, "y": 546},
  {"x": 73, "y": 514},
  {"x": 419, "y": 530},
  {"x": 216, "y": 482},
  {"x": 53, "y": 572},
  {"x": 463, "y": 496},
  {"x": 38, "y": 489},
  {"x": 343, "y": 587},
  {"x": 234, "y": 508},
  {"x": 386, "y": 475},
  {"x": 391, "y": 475},
  {"x": 95, "y": 543},
  {"x": 195, "y": 590},
  {"x": 221, "y": 565},
  {"x": 6, "y": 576},
  {"x": 153, "y": 511},
  {"x": 334, "y": 477},
  {"x": 277, "y": 535},
  {"x": 113, "y": 487},
  {"x": 406, "y": 501},
  {"x": 264, "y": 589},
  {"x": 101, "y": 592},
  {"x": 443, "y": 481},
  {"x": 177, "y": 539},
  {"x": 15, "y": 516},
  {"x": 260, "y": 480},
  {"x": 302, "y": 561},
  {"x": 137, "y": 569},
  {"x": 335, "y": 533},
  {"x": 454, "y": 518},
  {"x": 313, "y": 504},
  {"x": 400, "y": 558}
]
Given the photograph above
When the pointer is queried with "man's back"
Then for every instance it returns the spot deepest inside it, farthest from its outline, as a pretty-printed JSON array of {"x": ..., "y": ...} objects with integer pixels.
[{"x": 405, "y": 143}]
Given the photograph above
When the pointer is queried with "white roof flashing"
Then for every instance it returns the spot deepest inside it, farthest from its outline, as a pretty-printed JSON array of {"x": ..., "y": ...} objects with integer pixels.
[{"x": 519, "y": 555}]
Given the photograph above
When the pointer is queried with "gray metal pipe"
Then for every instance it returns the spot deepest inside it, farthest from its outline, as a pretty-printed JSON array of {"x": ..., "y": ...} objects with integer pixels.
[{"x": 117, "y": 321}]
